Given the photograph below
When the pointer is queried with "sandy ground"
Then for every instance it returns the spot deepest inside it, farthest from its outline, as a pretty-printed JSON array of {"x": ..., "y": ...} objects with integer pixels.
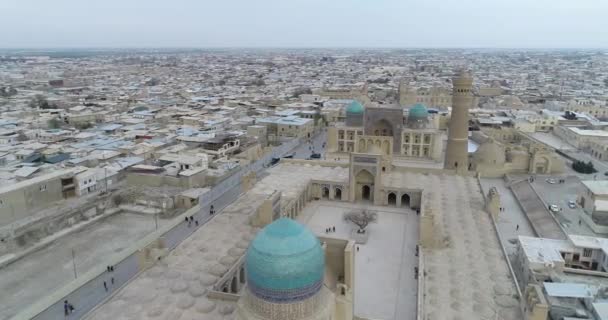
[
  {"x": 385, "y": 287},
  {"x": 34, "y": 276}
]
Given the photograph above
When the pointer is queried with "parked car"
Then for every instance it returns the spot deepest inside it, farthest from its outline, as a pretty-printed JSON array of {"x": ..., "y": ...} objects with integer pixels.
[
  {"x": 572, "y": 204},
  {"x": 554, "y": 208},
  {"x": 551, "y": 181},
  {"x": 289, "y": 156},
  {"x": 315, "y": 156}
]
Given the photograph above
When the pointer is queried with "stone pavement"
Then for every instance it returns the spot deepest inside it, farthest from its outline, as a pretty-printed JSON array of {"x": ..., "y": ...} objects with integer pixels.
[
  {"x": 385, "y": 287},
  {"x": 511, "y": 217}
]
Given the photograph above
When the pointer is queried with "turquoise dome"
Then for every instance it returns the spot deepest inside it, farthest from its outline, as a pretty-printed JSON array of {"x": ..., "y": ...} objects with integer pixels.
[
  {"x": 418, "y": 111},
  {"x": 354, "y": 107},
  {"x": 285, "y": 262}
]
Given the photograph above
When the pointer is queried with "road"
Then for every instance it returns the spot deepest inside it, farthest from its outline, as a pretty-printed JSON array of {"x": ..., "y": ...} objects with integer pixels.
[
  {"x": 559, "y": 194},
  {"x": 304, "y": 150}
]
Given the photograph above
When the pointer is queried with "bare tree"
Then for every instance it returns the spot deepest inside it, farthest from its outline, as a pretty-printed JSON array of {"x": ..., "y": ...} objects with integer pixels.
[{"x": 361, "y": 217}]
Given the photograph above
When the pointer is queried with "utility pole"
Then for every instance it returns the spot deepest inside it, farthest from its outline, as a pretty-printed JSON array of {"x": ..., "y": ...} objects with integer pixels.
[{"x": 74, "y": 263}]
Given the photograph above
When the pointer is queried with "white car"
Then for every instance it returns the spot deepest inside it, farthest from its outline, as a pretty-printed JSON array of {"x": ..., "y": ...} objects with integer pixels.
[
  {"x": 572, "y": 204},
  {"x": 554, "y": 208},
  {"x": 551, "y": 181}
]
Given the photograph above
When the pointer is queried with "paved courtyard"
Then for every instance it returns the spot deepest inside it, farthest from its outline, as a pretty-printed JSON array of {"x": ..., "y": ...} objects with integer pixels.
[
  {"x": 36, "y": 275},
  {"x": 385, "y": 287}
]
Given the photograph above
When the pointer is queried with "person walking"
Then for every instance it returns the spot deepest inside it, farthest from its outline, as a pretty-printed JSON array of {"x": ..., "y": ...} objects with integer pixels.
[
  {"x": 517, "y": 228},
  {"x": 334, "y": 229},
  {"x": 105, "y": 286},
  {"x": 66, "y": 308}
]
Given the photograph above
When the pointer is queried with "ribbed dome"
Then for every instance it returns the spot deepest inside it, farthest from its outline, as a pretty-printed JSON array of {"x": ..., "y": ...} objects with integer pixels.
[
  {"x": 418, "y": 111},
  {"x": 490, "y": 153},
  {"x": 354, "y": 107},
  {"x": 285, "y": 263}
]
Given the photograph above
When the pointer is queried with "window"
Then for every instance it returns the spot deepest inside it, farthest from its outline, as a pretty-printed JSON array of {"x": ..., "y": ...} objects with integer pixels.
[
  {"x": 587, "y": 253},
  {"x": 416, "y": 138},
  {"x": 406, "y": 138},
  {"x": 42, "y": 187},
  {"x": 575, "y": 257},
  {"x": 427, "y": 138}
]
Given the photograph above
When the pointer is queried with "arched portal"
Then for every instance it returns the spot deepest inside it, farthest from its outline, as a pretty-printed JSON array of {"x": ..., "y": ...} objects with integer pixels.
[
  {"x": 392, "y": 199},
  {"x": 366, "y": 192},
  {"x": 405, "y": 200},
  {"x": 542, "y": 165},
  {"x": 383, "y": 128},
  {"x": 364, "y": 182},
  {"x": 338, "y": 194},
  {"x": 325, "y": 193}
]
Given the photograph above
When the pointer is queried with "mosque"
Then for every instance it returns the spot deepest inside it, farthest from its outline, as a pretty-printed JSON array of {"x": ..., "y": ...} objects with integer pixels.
[
  {"x": 263, "y": 257},
  {"x": 385, "y": 129}
]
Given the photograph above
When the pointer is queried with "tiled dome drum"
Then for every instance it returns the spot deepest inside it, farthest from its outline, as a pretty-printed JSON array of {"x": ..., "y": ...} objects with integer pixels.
[{"x": 285, "y": 263}]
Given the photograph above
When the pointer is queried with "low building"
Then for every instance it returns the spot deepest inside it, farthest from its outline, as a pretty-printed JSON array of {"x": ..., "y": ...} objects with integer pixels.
[
  {"x": 594, "y": 200},
  {"x": 288, "y": 127},
  {"x": 563, "y": 279},
  {"x": 19, "y": 200}
]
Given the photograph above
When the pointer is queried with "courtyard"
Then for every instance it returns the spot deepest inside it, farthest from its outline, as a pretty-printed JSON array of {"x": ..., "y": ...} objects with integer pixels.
[{"x": 385, "y": 287}]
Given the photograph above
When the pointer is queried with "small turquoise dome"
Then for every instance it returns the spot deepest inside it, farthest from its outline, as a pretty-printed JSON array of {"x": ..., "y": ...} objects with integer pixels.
[
  {"x": 418, "y": 111},
  {"x": 354, "y": 107},
  {"x": 285, "y": 263}
]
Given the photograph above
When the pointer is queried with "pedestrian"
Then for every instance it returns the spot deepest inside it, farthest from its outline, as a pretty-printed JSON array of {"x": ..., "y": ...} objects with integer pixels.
[
  {"x": 71, "y": 306},
  {"x": 186, "y": 219},
  {"x": 579, "y": 222},
  {"x": 326, "y": 230},
  {"x": 111, "y": 268},
  {"x": 357, "y": 248},
  {"x": 105, "y": 286},
  {"x": 66, "y": 307},
  {"x": 196, "y": 222},
  {"x": 211, "y": 210},
  {"x": 108, "y": 268},
  {"x": 517, "y": 228},
  {"x": 334, "y": 229},
  {"x": 112, "y": 280}
]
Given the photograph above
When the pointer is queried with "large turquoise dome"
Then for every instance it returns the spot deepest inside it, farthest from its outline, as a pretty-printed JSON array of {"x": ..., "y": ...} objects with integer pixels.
[
  {"x": 354, "y": 107},
  {"x": 418, "y": 111},
  {"x": 285, "y": 263}
]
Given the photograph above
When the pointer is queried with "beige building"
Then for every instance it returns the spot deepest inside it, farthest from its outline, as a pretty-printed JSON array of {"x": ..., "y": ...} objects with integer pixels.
[
  {"x": 435, "y": 97},
  {"x": 506, "y": 150},
  {"x": 599, "y": 149},
  {"x": 590, "y": 107},
  {"x": 288, "y": 127},
  {"x": 579, "y": 137},
  {"x": 19, "y": 200}
]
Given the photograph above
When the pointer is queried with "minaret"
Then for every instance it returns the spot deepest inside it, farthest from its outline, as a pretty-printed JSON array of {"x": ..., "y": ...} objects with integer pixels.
[{"x": 456, "y": 155}]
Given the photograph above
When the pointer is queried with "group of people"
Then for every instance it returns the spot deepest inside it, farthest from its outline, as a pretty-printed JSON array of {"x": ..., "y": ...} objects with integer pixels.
[
  {"x": 330, "y": 229},
  {"x": 109, "y": 269},
  {"x": 190, "y": 220}
]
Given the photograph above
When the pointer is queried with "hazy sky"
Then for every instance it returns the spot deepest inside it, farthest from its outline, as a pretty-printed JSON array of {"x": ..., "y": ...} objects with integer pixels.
[{"x": 304, "y": 23}]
